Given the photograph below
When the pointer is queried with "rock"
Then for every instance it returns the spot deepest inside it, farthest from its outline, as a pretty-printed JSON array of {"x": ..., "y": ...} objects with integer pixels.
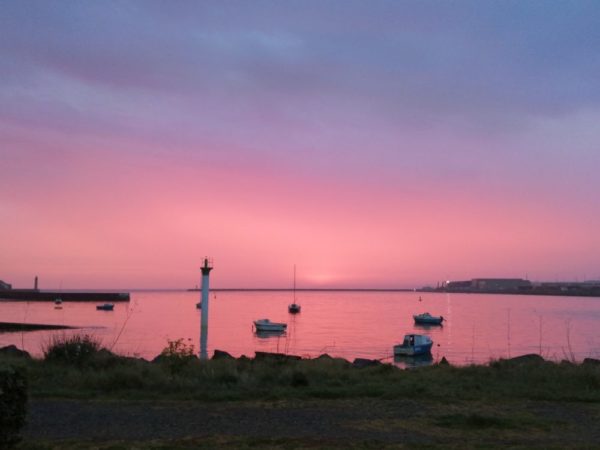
[
  {"x": 13, "y": 351},
  {"x": 160, "y": 359},
  {"x": 326, "y": 357},
  {"x": 104, "y": 358},
  {"x": 591, "y": 362},
  {"x": 265, "y": 356},
  {"x": 529, "y": 358},
  {"x": 362, "y": 362},
  {"x": 220, "y": 354},
  {"x": 106, "y": 353},
  {"x": 134, "y": 359}
]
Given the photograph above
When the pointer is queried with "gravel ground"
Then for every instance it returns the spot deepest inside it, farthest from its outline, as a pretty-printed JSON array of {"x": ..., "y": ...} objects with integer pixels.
[
  {"x": 393, "y": 422},
  {"x": 64, "y": 419}
]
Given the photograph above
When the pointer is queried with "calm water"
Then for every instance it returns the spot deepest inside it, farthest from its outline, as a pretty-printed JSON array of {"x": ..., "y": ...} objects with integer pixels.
[{"x": 346, "y": 324}]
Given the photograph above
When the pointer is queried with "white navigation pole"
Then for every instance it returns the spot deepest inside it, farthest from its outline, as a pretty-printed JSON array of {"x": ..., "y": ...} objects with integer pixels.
[{"x": 206, "y": 268}]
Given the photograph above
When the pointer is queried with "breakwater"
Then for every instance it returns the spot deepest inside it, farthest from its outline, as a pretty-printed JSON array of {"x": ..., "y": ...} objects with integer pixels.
[
  {"x": 18, "y": 326},
  {"x": 574, "y": 291},
  {"x": 50, "y": 296}
]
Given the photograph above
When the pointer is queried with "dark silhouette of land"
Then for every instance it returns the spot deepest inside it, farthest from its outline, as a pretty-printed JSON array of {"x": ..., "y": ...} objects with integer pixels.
[
  {"x": 519, "y": 286},
  {"x": 17, "y": 326}
]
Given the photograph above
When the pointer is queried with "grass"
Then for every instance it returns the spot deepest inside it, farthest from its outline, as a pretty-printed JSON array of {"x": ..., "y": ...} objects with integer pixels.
[
  {"x": 226, "y": 442},
  {"x": 101, "y": 374},
  {"x": 77, "y": 349},
  {"x": 474, "y": 421},
  {"x": 502, "y": 404}
]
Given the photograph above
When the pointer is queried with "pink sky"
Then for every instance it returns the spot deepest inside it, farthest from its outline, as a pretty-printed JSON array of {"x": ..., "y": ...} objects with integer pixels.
[{"x": 365, "y": 152}]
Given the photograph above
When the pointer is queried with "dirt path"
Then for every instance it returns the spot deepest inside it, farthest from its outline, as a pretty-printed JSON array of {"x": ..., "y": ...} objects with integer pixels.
[{"x": 530, "y": 424}]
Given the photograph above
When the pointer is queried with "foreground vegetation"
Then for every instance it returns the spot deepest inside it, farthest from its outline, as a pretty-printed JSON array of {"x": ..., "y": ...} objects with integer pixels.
[
  {"x": 81, "y": 368},
  {"x": 486, "y": 402}
]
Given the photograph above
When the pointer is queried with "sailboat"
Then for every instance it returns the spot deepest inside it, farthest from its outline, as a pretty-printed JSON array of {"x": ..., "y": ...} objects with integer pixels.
[
  {"x": 58, "y": 301},
  {"x": 294, "y": 307}
]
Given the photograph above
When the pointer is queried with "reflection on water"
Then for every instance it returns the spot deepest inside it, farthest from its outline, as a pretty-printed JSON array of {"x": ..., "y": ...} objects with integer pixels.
[
  {"x": 427, "y": 326},
  {"x": 269, "y": 334},
  {"x": 407, "y": 362},
  {"x": 350, "y": 325}
]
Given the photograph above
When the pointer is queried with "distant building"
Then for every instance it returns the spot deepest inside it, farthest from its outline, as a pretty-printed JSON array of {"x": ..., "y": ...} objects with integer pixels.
[
  {"x": 588, "y": 288},
  {"x": 567, "y": 286},
  {"x": 4, "y": 286},
  {"x": 500, "y": 284},
  {"x": 457, "y": 285},
  {"x": 488, "y": 285}
]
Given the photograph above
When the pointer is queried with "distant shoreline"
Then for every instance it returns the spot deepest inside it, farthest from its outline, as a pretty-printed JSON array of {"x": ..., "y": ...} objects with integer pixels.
[
  {"x": 33, "y": 295},
  {"x": 533, "y": 292},
  {"x": 7, "y": 327},
  {"x": 304, "y": 290}
]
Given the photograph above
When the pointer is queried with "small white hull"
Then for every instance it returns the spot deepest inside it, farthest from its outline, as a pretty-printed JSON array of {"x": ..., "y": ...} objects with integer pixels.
[{"x": 265, "y": 325}]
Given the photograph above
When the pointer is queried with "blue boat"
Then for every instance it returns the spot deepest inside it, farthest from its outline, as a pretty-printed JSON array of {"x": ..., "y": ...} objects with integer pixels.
[
  {"x": 428, "y": 319},
  {"x": 413, "y": 345},
  {"x": 105, "y": 307}
]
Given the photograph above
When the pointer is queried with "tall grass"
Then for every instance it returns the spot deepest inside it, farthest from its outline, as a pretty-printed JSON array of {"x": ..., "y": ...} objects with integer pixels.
[
  {"x": 108, "y": 376},
  {"x": 75, "y": 349},
  {"x": 78, "y": 366}
]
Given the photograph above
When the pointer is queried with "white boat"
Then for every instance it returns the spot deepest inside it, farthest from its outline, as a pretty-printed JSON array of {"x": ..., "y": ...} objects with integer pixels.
[
  {"x": 428, "y": 319},
  {"x": 413, "y": 345},
  {"x": 267, "y": 325},
  {"x": 294, "y": 308}
]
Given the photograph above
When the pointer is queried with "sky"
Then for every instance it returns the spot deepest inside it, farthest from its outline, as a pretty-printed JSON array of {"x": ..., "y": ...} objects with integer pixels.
[{"x": 383, "y": 144}]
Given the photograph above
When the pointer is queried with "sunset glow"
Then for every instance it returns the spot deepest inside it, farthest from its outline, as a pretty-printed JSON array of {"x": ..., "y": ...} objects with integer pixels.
[{"x": 383, "y": 144}]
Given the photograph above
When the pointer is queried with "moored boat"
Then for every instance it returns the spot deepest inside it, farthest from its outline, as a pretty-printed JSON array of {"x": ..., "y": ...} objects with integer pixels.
[
  {"x": 294, "y": 308},
  {"x": 105, "y": 307},
  {"x": 262, "y": 325},
  {"x": 413, "y": 345},
  {"x": 269, "y": 334},
  {"x": 428, "y": 319}
]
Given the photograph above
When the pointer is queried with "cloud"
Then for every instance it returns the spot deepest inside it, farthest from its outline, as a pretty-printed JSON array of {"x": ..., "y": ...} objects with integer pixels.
[
  {"x": 431, "y": 107},
  {"x": 430, "y": 59}
]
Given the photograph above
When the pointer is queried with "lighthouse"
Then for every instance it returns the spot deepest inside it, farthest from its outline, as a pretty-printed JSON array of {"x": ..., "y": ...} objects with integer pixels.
[{"x": 206, "y": 268}]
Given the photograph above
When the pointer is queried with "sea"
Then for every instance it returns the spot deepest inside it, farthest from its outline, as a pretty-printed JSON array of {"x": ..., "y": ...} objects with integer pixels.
[{"x": 477, "y": 328}]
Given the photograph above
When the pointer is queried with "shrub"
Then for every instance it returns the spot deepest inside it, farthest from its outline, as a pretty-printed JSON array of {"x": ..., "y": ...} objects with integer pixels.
[
  {"x": 299, "y": 379},
  {"x": 13, "y": 401},
  {"x": 77, "y": 349},
  {"x": 177, "y": 355}
]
